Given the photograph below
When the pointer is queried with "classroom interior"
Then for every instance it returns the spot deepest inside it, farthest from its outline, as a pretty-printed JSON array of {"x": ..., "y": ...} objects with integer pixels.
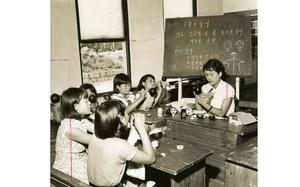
[{"x": 216, "y": 153}]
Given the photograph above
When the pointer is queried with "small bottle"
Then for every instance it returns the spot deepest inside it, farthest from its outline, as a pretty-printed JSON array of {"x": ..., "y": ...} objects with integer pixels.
[{"x": 183, "y": 113}]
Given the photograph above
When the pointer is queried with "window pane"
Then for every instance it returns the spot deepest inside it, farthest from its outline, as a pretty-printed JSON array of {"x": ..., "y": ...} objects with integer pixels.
[
  {"x": 101, "y": 62},
  {"x": 100, "y": 19},
  {"x": 178, "y": 8}
]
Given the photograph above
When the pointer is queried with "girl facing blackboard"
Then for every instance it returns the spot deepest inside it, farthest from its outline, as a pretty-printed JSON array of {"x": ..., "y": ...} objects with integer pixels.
[
  {"x": 109, "y": 151},
  {"x": 217, "y": 96}
]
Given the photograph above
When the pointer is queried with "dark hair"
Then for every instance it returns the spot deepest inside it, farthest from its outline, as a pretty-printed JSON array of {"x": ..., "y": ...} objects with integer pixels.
[
  {"x": 107, "y": 120},
  {"x": 214, "y": 65},
  {"x": 143, "y": 79},
  {"x": 70, "y": 97},
  {"x": 119, "y": 79},
  {"x": 88, "y": 86}
]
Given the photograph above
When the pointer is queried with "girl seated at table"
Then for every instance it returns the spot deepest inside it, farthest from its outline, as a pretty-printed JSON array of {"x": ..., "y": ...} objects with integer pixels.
[
  {"x": 156, "y": 92},
  {"x": 72, "y": 136},
  {"x": 109, "y": 151},
  {"x": 122, "y": 92},
  {"x": 217, "y": 96}
]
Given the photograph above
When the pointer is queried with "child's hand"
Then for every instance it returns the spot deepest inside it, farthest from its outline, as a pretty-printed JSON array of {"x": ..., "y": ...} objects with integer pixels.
[
  {"x": 204, "y": 97},
  {"x": 139, "y": 120},
  {"x": 159, "y": 85},
  {"x": 148, "y": 103},
  {"x": 150, "y": 100},
  {"x": 164, "y": 84},
  {"x": 100, "y": 100}
]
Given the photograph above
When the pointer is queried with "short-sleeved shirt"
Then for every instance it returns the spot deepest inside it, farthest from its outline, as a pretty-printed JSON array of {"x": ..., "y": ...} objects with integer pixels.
[
  {"x": 223, "y": 91},
  {"x": 107, "y": 160},
  {"x": 66, "y": 149}
]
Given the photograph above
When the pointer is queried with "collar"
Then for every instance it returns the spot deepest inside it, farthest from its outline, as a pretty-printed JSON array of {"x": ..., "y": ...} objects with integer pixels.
[{"x": 219, "y": 86}]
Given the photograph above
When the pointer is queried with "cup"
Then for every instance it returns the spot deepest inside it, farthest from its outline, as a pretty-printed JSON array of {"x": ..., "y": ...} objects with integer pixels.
[
  {"x": 159, "y": 112},
  {"x": 183, "y": 113}
]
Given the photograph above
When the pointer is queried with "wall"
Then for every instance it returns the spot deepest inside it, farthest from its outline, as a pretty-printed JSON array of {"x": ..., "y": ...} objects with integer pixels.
[
  {"x": 239, "y": 5},
  {"x": 147, "y": 32},
  {"x": 146, "y": 38},
  {"x": 65, "y": 64},
  {"x": 209, "y": 7}
]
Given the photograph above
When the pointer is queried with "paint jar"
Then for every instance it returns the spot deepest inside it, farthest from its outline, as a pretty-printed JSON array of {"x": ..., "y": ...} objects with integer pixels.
[{"x": 183, "y": 113}]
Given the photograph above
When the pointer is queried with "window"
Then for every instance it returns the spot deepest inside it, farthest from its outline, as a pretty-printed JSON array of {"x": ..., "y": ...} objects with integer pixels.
[{"x": 104, "y": 41}]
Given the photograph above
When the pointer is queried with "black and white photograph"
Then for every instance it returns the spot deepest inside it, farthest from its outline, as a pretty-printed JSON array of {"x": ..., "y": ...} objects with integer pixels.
[
  {"x": 154, "y": 93},
  {"x": 149, "y": 93}
]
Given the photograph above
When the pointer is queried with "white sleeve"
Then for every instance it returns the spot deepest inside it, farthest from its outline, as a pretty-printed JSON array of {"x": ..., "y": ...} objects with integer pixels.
[{"x": 231, "y": 92}]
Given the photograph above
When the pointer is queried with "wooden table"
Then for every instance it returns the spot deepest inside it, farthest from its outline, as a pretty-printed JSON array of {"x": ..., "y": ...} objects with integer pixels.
[
  {"x": 216, "y": 135},
  {"x": 241, "y": 165},
  {"x": 179, "y": 167},
  {"x": 217, "y": 124},
  {"x": 151, "y": 116}
]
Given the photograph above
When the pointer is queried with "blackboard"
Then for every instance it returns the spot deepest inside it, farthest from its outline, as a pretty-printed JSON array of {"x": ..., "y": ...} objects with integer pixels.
[{"x": 190, "y": 42}]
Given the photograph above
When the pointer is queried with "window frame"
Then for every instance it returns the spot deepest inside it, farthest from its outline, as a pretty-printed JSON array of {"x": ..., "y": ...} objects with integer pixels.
[{"x": 125, "y": 38}]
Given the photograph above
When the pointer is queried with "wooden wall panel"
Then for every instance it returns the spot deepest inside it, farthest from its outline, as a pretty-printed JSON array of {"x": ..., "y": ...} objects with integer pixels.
[
  {"x": 146, "y": 35},
  {"x": 65, "y": 60}
]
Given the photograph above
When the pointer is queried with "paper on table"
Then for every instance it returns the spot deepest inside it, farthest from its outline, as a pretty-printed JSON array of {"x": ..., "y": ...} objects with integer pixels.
[{"x": 244, "y": 117}]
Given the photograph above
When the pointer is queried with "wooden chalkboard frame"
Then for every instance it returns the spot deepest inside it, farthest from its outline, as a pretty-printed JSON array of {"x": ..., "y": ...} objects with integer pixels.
[{"x": 178, "y": 47}]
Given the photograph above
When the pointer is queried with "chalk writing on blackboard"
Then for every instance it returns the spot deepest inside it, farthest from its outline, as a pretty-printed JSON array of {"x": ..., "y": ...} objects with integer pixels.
[{"x": 190, "y": 42}]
